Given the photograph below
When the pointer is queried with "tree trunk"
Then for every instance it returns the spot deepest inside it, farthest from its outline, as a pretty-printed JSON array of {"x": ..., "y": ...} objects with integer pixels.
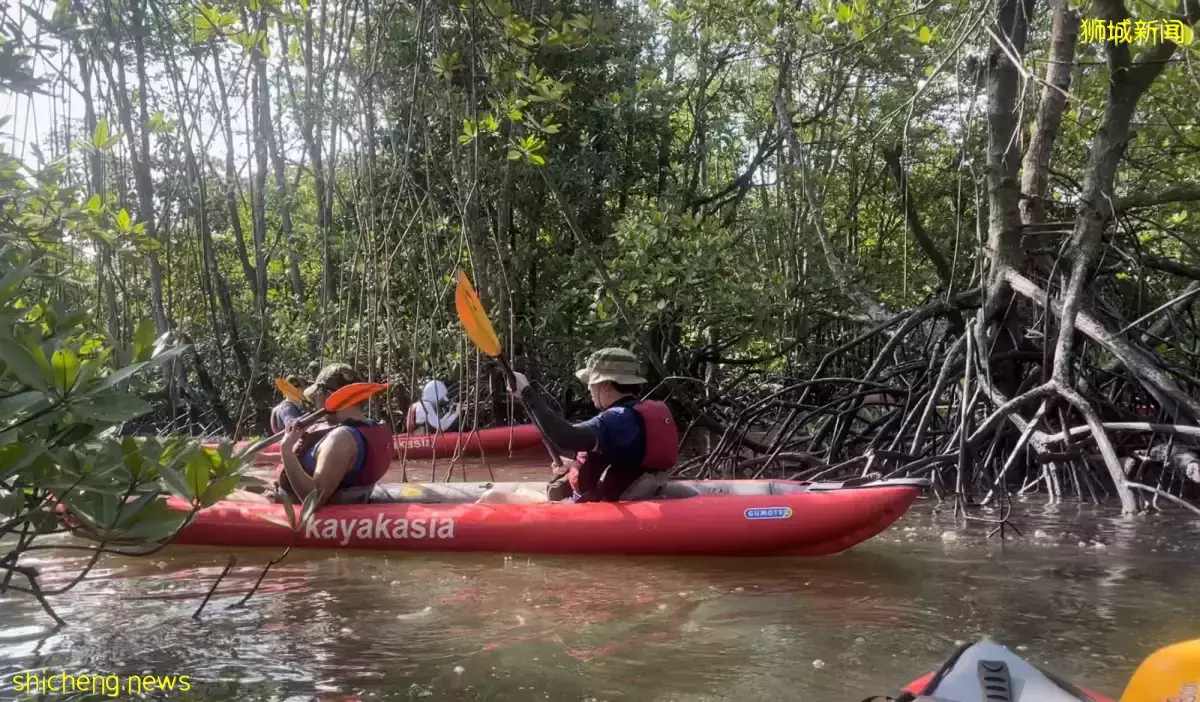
[
  {"x": 98, "y": 186},
  {"x": 1035, "y": 172},
  {"x": 261, "y": 115},
  {"x": 1000, "y": 330},
  {"x": 231, "y": 178}
]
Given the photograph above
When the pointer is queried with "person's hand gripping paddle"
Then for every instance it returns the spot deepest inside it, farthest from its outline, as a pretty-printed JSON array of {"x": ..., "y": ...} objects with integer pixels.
[
  {"x": 340, "y": 399},
  {"x": 481, "y": 333}
]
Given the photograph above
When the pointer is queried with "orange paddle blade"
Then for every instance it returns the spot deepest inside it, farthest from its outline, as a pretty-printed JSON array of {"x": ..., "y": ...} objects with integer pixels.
[
  {"x": 352, "y": 394},
  {"x": 290, "y": 391},
  {"x": 474, "y": 318}
]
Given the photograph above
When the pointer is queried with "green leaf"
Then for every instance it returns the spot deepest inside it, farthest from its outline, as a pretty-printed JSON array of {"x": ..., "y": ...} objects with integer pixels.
[
  {"x": 13, "y": 404},
  {"x": 100, "y": 133},
  {"x": 197, "y": 471},
  {"x": 21, "y": 365},
  {"x": 304, "y": 5},
  {"x": 514, "y": 155},
  {"x": 66, "y": 369},
  {"x": 537, "y": 160},
  {"x": 844, "y": 13},
  {"x": 155, "y": 522},
  {"x": 290, "y": 511},
  {"x": 11, "y": 503},
  {"x": 94, "y": 203},
  {"x": 123, "y": 220},
  {"x": 143, "y": 341},
  {"x": 925, "y": 35},
  {"x": 15, "y": 457},
  {"x": 174, "y": 482},
  {"x": 114, "y": 408},
  {"x": 220, "y": 489},
  {"x": 132, "y": 456},
  {"x": 115, "y": 378}
]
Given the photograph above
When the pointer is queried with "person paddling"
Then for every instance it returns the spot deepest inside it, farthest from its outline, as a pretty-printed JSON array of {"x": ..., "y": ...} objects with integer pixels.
[
  {"x": 287, "y": 411},
  {"x": 424, "y": 417},
  {"x": 342, "y": 456},
  {"x": 624, "y": 453}
]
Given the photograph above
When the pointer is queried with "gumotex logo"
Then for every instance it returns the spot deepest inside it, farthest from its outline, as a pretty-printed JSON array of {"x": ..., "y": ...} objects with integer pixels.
[{"x": 769, "y": 513}]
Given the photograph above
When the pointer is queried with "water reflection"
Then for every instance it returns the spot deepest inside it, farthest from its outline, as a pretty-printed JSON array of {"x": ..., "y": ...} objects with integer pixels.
[{"x": 1084, "y": 592}]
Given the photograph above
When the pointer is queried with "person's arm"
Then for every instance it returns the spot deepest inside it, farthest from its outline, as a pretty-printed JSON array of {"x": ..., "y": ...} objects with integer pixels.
[
  {"x": 563, "y": 434},
  {"x": 334, "y": 457}
]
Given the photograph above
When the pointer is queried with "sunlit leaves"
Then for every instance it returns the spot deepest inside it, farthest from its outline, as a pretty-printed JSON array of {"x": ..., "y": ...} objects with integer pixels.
[
  {"x": 159, "y": 124},
  {"x": 208, "y": 21},
  {"x": 445, "y": 65},
  {"x": 66, "y": 370}
]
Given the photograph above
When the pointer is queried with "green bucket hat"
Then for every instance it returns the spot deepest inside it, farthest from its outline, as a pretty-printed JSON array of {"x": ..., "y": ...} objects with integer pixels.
[
  {"x": 614, "y": 365},
  {"x": 331, "y": 378}
]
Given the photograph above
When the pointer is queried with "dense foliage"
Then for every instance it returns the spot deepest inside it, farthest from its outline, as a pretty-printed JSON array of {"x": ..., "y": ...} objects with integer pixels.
[
  {"x": 64, "y": 389},
  {"x": 733, "y": 189}
]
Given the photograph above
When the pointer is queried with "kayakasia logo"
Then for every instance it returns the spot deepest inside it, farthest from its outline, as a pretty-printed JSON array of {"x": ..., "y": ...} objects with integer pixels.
[
  {"x": 769, "y": 513},
  {"x": 419, "y": 441},
  {"x": 341, "y": 530}
]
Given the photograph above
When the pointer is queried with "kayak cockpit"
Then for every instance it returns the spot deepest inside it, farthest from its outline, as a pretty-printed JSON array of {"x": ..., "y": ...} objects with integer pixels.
[{"x": 466, "y": 493}]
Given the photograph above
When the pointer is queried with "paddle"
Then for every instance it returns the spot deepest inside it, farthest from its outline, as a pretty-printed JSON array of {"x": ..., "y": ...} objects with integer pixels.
[
  {"x": 481, "y": 333},
  {"x": 1170, "y": 673},
  {"x": 340, "y": 399},
  {"x": 290, "y": 391}
]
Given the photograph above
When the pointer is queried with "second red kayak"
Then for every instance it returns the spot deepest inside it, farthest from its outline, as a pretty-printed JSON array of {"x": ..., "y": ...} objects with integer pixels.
[{"x": 496, "y": 440}]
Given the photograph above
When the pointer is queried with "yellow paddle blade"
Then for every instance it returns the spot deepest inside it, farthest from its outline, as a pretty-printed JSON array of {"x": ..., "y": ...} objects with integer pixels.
[
  {"x": 1169, "y": 674},
  {"x": 474, "y": 318},
  {"x": 290, "y": 391}
]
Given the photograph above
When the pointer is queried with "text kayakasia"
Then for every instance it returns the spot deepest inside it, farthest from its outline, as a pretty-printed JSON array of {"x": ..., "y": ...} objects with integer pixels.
[
  {"x": 45, "y": 682},
  {"x": 342, "y": 530}
]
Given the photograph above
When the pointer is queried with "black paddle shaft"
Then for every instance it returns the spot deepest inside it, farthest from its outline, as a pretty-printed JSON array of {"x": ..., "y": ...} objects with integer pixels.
[{"x": 511, "y": 379}]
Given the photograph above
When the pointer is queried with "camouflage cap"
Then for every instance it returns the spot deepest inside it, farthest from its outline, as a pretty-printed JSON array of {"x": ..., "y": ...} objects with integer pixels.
[
  {"x": 614, "y": 365},
  {"x": 331, "y": 378}
]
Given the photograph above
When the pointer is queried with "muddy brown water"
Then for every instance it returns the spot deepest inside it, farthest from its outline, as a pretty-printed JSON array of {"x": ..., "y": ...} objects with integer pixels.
[{"x": 1086, "y": 593}]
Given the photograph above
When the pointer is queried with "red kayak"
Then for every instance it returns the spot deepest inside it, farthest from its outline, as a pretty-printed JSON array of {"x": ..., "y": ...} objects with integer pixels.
[
  {"x": 496, "y": 440},
  {"x": 711, "y": 518},
  {"x": 985, "y": 671}
]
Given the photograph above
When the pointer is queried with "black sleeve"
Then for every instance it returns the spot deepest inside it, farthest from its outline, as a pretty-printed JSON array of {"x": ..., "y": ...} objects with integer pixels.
[{"x": 562, "y": 434}]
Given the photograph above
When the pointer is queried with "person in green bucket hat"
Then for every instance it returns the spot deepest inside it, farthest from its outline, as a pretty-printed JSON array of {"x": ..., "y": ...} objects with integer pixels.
[{"x": 622, "y": 454}]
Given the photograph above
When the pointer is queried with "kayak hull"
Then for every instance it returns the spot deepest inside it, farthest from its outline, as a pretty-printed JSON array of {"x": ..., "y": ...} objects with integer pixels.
[
  {"x": 810, "y": 520},
  {"x": 519, "y": 438}
]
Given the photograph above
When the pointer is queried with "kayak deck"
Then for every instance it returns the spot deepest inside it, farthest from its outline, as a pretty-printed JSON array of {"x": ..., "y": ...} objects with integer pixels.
[
  {"x": 714, "y": 518},
  {"x": 521, "y": 437}
]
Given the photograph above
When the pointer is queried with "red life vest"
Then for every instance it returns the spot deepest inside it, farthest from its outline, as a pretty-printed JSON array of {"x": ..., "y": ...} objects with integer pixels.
[
  {"x": 662, "y": 441},
  {"x": 380, "y": 451},
  {"x": 662, "y": 436}
]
